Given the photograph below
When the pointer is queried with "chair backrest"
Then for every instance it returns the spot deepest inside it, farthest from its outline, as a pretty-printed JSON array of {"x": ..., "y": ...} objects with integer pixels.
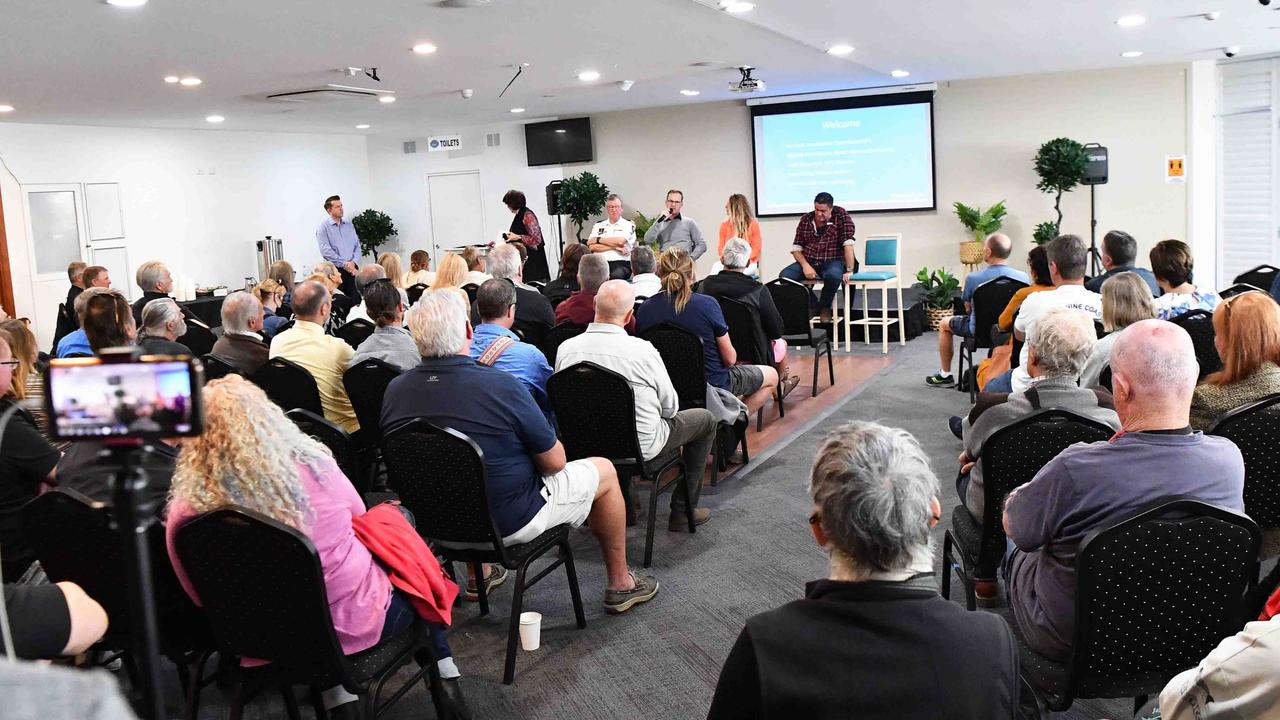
[
  {"x": 1255, "y": 429},
  {"x": 556, "y": 335},
  {"x": 745, "y": 331},
  {"x": 216, "y": 367},
  {"x": 199, "y": 339},
  {"x": 285, "y": 311},
  {"x": 440, "y": 477},
  {"x": 1239, "y": 289},
  {"x": 286, "y": 325},
  {"x": 415, "y": 292},
  {"x": 1155, "y": 593},
  {"x": 471, "y": 289},
  {"x": 792, "y": 300},
  {"x": 989, "y": 300},
  {"x": 333, "y": 437},
  {"x": 1259, "y": 277},
  {"x": 882, "y": 252},
  {"x": 1199, "y": 325},
  {"x": 355, "y": 332},
  {"x": 66, "y": 324},
  {"x": 595, "y": 411},
  {"x": 681, "y": 353},
  {"x": 534, "y": 333},
  {"x": 366, "y": 384},
  {"x": 261, "y": 583},
  {"x": 1104, "y": 377},
  {"x": 289, "y": 385}
]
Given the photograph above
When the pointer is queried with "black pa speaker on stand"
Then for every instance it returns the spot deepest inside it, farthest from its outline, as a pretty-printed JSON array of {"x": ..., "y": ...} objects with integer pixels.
[
  {"x": 553, "y": 208},
  {"x": 1095, "y": 173}
]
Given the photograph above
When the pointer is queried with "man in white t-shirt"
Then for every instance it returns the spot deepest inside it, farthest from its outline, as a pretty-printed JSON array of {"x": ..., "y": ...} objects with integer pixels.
[
  {"x": 613, "y": 238},
  {"x": 1067, "y": 258}
]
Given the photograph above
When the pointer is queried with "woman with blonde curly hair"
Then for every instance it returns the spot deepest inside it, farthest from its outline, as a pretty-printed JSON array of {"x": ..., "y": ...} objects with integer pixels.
[
  {"x": 252, "y": 456},
  {"x": 451, "y": 272}
]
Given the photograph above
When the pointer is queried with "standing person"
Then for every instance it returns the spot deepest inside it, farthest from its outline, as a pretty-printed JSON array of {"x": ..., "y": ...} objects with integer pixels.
[
  {"x": 674, "y": 230},
  {"x": 740, "y": 223},
  {"x": 526, "y": 231},
  {"x": 823, "y": 248},
  {"x": 339, "y": 244},
  {"x": 614, "y": 238}
]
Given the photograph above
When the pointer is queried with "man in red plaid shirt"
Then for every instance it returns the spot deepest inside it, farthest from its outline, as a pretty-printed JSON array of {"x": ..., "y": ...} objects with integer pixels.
[{"x": 823, "y": 247}]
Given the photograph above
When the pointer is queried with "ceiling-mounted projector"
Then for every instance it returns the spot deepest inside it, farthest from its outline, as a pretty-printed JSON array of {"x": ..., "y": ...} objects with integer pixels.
[{"x": 747, "y": 84}]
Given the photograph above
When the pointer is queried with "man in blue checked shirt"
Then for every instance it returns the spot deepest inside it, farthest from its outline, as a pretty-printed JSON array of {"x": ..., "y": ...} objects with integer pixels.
[{"x": 340, "y": 245}]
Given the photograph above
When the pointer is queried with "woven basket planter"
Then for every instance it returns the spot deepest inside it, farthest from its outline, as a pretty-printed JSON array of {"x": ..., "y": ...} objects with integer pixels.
[
  {"x": 971, "y": 253},
  {"x": 935, "y": 316}
]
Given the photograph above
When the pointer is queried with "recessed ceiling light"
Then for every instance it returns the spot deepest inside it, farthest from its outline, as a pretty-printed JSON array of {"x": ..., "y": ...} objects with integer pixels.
[
  {"x": 517, "y": 110},
  {"x": 6, "y": 108},
  {"x": 899, "y": 73},
  {"x": 171, "y": 79},
  {"x": 424, "y": 48},
  {"x": 126, "y": 3},
  {"x": 190, "y": 81},
  {"x": 588, "y": 75},
  {"x": 215, "y": 119},
  {"x": 561, "y": 130},
  {"x": 1131, "y": 54},
  {"x": 1131, "y": 21},
  {"x": 737, "y": 7},
  {"x": 362, "y": 126},
  {"x": 386, "y": 99},
  {"x": 840, "y": 49},
  {"x": 690, "y": 93}
]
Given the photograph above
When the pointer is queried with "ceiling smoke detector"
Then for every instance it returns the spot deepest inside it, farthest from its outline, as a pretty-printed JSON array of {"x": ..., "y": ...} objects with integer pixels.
[
  {"x": 746, "y": 84},
  {"x": 462, "y": 3}
]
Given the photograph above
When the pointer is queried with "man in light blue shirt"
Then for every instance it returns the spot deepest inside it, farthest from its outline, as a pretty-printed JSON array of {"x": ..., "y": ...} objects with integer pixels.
[
  {"x": 494, "y": 344},
  {"x": 995, "y": 252},
  {"x": 339, "y": 244}
]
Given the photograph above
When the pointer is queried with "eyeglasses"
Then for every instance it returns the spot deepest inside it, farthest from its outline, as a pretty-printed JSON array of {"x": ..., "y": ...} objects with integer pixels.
[{"x": 11, "y": 363}]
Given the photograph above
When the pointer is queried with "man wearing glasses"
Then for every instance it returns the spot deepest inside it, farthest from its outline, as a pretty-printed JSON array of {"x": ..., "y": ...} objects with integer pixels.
[
  {"x": 674, "y": 230},
  {"x": 494, "y": 344}
]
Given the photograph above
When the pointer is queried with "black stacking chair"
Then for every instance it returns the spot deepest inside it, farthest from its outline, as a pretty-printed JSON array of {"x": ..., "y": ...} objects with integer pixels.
[
  {"x": 345, "y": 452},
  {"x": 285, "y": 311},
  {"x": 1099, "y": 329},
  {"x": 1104, "y": 377},
  {"x": 1010, "y": 458},
  {"x": 595, "y": 409},
  {"x": 261, "y": 583},
  {"x": 340, "y": 305},
  {"x": 415, "y": 292},
  {"x": 288, "y": 325},
  {"x": 216, "y": 367},
  {"x": 440, "y": 477},
  {"x": 1155, "y": 593},
  {"x": 289, "y": 385},
  {"x": 75, "y": 540},
  {"x": 747, "y": 335},
  {"x": 199, "y": 339},
  {"x": 1239, "y": 289},
  {"x": 681, "y": 353},
  {"x": 1260, "y": 277},
  {"x": 366, "y": 384},
  {"x": 989, "y": 300},
  {"x": 792, "y": 300},
  {"x": 65, "y": 325},
  {"x": 556, "y": 335},
  {"x": 355, "y": 332},
  {"x": 534, "y": 333},
  {"x": 1255, "y": 429},
  {"x": 1199, "y": 325},
  {"x": 471, "y": 289}
]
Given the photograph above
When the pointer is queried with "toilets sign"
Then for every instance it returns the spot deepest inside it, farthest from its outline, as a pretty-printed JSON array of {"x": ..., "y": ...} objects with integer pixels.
[{"x": 437, "y": 143}]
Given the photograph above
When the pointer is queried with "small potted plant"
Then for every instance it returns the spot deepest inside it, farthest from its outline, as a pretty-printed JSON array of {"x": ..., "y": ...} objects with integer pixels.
[
  {"x": 939, "y": 289},
  {"x": 980, "y": 223}
]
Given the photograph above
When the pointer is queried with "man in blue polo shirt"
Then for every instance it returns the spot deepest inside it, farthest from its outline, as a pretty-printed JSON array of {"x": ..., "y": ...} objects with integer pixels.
[
  {"x": 531, "y": 487},
  {"x": 995, "y": 253}
]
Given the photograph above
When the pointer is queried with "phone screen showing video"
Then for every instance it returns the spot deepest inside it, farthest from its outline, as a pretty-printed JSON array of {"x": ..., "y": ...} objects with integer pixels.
[{"x": 88, "y": 399}]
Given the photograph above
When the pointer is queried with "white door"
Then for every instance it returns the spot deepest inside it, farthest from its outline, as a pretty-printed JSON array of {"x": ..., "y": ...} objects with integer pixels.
[
  {"x": 56, "y": 237},
  {"x": 107, "y": 243},
  {"x": 457, "y": 212}
]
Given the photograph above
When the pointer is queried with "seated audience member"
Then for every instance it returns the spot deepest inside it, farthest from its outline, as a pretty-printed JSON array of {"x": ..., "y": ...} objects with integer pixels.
[
  {"x": 162, "y": 325},
  {"x": 367, "y": 275},
  {"x": 734, "y": 282},
  {"x": 156, "y": 283},
  {"x": 1125, "y": 301},
  {"x": 334, "y": 277},
  {"x": 241, "y": 344},
  {"x": 1060, "y": 343},
  {"x": 1236, "y": 680},
  {"x": 52, "y": 620},
  {"x": 1067, "y": 258},
  {"x": 741, "y": 224},
  {"x": 995, "y": 253},
  {"x": 1002, "y": 357},
  {"x": 643, "y": 278},
  {"x": 76, "y": 342},
  {"x": 493, "y": 344},
  {"x": 475, "y": 261},
  {"x": 700, "y": 315},
  {"x": 533, "y": 311},
  {"x": 1172, "y": 264},
  {"x": 451, "y": 272},
  {"x": 107, "y": 322},
  {"x": 661, "y": 424},
  {"x": 531, "y": 487},
  {"x": 75, "y": 273},
  {"x": 325, "y": 357},
  {"x": 282, "y": 272},
  {"x": 390, "y": 342},
  {"x": 271, "y": 294},
  {"x": 873, "y": 639},
  {"x": 28, "y": 380},
  {"x": 252, "y": 456},
  {"x": 559, "y": 290},
  {"x": 419, "y": 270},
  {"x": 1119, "y": 250},
  {"x": 27, "y": 461},
  {"x": 1089, "y": 486},
  {"x": 96, "y": 276},
  {"x": 579, "y": 308},
  {"x": 390, "y": 263},
  {"x": 1247, "y": 335}
]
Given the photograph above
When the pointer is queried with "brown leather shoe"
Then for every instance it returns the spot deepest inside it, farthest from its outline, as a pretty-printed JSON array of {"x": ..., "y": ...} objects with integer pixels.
[
  {"x": 679, "y": 523},
  {"x": 987, "y": 593}
]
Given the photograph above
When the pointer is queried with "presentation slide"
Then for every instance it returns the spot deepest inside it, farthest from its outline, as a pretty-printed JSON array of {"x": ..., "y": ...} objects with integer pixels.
[{"x": 868, "y": 158}]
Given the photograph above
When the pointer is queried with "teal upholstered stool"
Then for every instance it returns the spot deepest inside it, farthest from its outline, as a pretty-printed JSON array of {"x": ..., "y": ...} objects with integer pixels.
[{"x": 881, "y": 268}]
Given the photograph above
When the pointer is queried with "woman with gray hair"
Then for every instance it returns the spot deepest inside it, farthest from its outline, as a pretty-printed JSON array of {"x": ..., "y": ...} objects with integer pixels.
[
  {"x": 162, "y": 325},
  {"x": 873, "y": 639}
]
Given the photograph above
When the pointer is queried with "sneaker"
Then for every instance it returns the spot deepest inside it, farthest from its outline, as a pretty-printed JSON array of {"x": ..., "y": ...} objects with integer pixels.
[
  {"x": 940, "y": 380},
  {"x": 987, "y": 593},
  {"x": 498, "y": 576},
  {"x": 620, "y": 601},
  {"x": 957, "y": 426},
  {"x": 679, "y": 523}
]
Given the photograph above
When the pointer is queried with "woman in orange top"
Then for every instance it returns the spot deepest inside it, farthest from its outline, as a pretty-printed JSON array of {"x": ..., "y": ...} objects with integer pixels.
[
  {"x": 1002, "y": 357},
  {"x": 741, "y": 224}
]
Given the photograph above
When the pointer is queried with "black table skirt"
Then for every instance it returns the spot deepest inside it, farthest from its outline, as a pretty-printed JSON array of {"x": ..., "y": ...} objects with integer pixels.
[{"x": 208, "y": 309}]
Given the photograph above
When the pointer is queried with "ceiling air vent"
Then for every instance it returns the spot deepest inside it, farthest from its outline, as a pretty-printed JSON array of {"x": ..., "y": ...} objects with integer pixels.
[{"x": 328, "y": 93}]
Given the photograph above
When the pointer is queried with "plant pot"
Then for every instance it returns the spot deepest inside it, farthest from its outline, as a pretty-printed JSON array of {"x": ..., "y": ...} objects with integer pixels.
[
  {"x": 971, "y": 252},
  {"x": 934, "y": 316}
]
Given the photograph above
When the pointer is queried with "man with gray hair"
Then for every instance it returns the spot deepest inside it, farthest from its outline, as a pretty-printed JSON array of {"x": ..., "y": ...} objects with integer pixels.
[
  {"x": 534, "y": 314},
  {"x": 613, "y": 238},
  {"x": 241, "y": 344},
  {"x": 495, "y": 345},
  {"x": 579, "y": 308},
  {"x": 1089, "y": 486},
  {"x": 324, "y": 356},
  {"x": 662, "y": 425},
  {"x": 367, "y": 275},
  {"x": 877, "y": 615},
  {"x": 643, "y": 278},
  {"x": 162, "y": 325},
  {"x": 530, "y": 485}
]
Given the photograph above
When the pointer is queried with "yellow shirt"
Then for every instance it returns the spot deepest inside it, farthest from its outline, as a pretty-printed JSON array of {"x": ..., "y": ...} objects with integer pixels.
[{"x": 326, "y": 358}]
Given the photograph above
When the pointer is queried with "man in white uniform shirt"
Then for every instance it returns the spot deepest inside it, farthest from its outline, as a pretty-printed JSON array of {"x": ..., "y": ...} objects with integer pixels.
[{"x": 613, "y": 238}]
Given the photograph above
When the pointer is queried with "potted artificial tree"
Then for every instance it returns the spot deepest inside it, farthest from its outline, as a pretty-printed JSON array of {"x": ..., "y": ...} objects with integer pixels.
[
  {"x": 1061, "y": 164},
  {"x": 938, "y": 289},
  {"x": 374, "y": 228},
  {"x": 980, "y": 223},
  {"x": 582, "y": 198}
]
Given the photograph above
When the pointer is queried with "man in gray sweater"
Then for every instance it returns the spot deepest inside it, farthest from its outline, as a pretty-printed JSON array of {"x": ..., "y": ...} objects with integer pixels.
[{"x": 674, "y": 230}]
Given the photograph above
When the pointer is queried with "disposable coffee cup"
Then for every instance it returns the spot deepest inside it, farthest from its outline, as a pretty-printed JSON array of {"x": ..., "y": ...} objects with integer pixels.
[{"x": 530, "y": 630}]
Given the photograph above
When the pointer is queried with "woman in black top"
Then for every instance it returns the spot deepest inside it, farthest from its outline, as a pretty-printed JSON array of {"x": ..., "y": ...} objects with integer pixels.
[
  {"x": 526, "y": 231},
  {"x": 567, "y": 284}
]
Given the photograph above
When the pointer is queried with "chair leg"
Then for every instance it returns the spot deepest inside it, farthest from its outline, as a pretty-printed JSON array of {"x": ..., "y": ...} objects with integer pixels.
[
  {"x": 317, "y": 704},
  {"x": 237, "y": 700},
  {"x": 481, "y": 591},
  {"x": 817, "y": 360},
  {"x": 848, "y": 335},
  {"x": 946, "y": 566},
  {"x": 290, "y": 702},
  {"x": 513, "y": 628},
  {"x": 193, "y": 687},
  {"x": 782, "y": 411},
  {"x": 831, "y": 363},
  {"x": 575, "y": 593},
  {"x": 759, "y": 419},
  {"x": 884, "y": 319},
  {"x": 652, "y": 521},
  {"x": 902, "y": 323},
  {"x": 746, "y": 454}
]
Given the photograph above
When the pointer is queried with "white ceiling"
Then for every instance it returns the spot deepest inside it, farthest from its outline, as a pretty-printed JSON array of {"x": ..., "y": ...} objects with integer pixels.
[{"x": 84, "y": 62}]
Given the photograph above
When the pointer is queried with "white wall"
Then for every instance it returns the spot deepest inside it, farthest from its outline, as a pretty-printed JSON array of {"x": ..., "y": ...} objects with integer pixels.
[{"x": 202, "y": 226}]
